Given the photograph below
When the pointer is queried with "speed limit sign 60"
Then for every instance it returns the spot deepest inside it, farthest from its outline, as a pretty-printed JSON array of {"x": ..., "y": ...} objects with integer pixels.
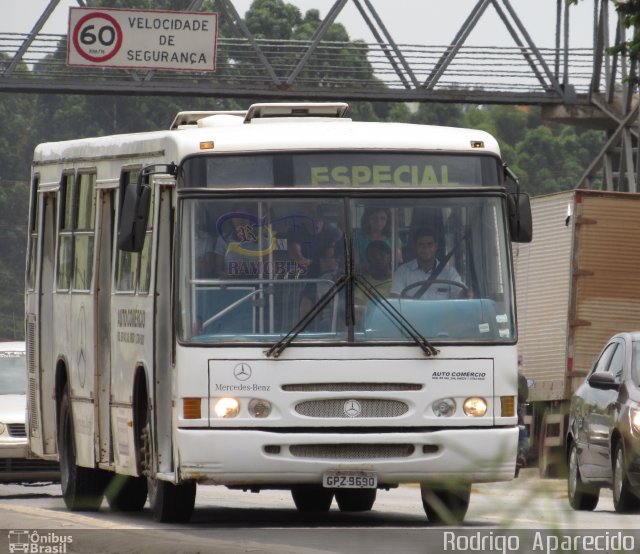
[
  {"x": 142, "y": 39},
  {"x": 97, "y": 37}
]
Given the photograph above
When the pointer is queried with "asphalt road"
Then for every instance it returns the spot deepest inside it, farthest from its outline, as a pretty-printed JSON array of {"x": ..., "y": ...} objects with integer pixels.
[{"x": 231, "y": 522}]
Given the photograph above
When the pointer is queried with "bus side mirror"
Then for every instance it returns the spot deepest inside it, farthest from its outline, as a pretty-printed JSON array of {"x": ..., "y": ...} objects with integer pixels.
[
  {"x": 520, "y": 220},
  {"x": 135, "y": 213}
]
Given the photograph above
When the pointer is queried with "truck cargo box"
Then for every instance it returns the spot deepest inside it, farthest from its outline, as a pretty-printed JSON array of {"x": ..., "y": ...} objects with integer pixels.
[{"x": 577, "y": 284}]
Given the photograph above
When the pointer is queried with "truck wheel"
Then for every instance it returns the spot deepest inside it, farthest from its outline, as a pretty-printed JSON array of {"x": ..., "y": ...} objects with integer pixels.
[
  {"x": 446, "y": 504},
  {"x": 623, "y": 499},
  {"x": 581, "y": 495},
  {"x": 171, "y": 503},
  {"x": 126, "y": 494},
  {"x": 355, "y": 500},
  {"x": 312, "y": 498},
  {"x": 82, "y": 487},
  {"x": 552, "y": 459}
]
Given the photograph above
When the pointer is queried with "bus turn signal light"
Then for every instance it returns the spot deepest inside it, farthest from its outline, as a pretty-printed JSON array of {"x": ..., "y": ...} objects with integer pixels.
[
  {"x": 508, "y": 406},
  {"x": 191, "y": 408}
]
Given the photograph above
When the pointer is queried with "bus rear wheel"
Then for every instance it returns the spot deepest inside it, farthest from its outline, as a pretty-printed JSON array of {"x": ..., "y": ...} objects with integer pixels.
[
  {"x": 446, "y": 504},
  {"x": 82, "y": 487},
  {"x": 126, "y": 494},
  {"x": 355, "y": 500}
]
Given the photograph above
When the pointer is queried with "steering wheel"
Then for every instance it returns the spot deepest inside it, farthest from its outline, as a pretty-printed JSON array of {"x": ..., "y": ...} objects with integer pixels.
[{"x": 422, "y": 287}]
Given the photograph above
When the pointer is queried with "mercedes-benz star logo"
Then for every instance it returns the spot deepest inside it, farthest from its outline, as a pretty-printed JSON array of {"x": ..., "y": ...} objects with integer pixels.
[
  {"x": 352, "y": 408},
  {"x": 242, "y": 371}
]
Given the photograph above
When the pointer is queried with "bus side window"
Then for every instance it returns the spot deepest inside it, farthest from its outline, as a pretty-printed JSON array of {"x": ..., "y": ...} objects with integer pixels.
[
  {"x": 65, "y": 235},
  {"x": 133, "y": 269},
  {"x": 84, "y": 231},
  {"x": 34, "y": 229},
  {"x": 144, "y": 274}
]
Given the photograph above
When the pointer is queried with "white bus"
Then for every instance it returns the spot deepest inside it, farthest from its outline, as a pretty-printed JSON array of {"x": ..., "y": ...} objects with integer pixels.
[{"x": 203, "y": 307}]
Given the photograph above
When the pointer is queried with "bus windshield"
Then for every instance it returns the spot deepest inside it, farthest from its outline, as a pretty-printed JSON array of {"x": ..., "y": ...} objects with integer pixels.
[{"x": 251, "y": 270}]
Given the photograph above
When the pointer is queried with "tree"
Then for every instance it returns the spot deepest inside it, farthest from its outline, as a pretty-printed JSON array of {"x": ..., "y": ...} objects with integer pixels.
[{"x": 629, "y": 13}]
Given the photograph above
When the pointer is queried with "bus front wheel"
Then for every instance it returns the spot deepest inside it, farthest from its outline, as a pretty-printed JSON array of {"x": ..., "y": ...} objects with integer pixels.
[
  {"x": 446, "y": 504},
  {"x": 355, "y": 500},
  {"x": 171, "y": 503},
  {"x": 312, "y": 498},
  {"x": 82, "y": 487}
]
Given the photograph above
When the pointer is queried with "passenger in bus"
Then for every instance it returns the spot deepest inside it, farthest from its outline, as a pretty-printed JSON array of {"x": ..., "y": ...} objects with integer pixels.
[
  {"x": 377, "y": 270},
  {"x": 316, "y": 230},
  {"x": 424, "y": 268},
  {"x": 326, "y": 268},
  {"x": 296, "y": 264},
  {"x": 375, "y": 225}
]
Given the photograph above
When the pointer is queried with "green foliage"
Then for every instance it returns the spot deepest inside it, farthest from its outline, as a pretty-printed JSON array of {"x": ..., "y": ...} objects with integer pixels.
[
  {"x": 546, "y": 157},
  {"x": 14, "y": 200},
  {"x": 629, "y": 13},
  {"x": 438, "y": 114},
  {"x": 273, "y": 19}
]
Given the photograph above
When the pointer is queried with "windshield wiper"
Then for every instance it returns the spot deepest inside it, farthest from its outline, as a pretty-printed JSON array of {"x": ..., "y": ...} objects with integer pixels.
[
  {"x": 374, "y": 294},
  {"x": 319, "y": 305}
]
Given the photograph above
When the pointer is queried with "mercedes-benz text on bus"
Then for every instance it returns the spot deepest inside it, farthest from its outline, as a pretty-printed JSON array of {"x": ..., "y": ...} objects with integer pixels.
[{"x": 277, "y": 298}]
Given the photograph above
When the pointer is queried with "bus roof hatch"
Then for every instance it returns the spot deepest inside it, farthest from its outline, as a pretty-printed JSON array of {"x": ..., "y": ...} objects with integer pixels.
[{"x": 297, "y": 109}]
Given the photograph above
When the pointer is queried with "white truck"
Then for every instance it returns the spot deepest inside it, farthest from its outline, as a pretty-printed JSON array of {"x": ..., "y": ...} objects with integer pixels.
[{"x": 577, "y": 284}]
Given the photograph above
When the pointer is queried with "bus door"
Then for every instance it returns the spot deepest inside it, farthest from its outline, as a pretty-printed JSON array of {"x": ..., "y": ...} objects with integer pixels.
[
  {"x": 46, "y": 356},
  {"x": 77, "y": 237},
  {"x": 104, "y": 264},
  {"x": 162, "y": 368}
]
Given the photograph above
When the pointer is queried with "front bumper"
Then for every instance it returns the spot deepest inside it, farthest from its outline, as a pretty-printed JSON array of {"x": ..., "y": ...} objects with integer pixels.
[
  {"x": 14, "y": 448},
  {"x": 270, "y": 458},
  {"x": 16, "y": 466}
]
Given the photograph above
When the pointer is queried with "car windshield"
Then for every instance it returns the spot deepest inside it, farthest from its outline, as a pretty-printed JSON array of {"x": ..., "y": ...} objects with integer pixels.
[
  {"x": 12, "y": 372},
  {"x": 368, "y": 268}
]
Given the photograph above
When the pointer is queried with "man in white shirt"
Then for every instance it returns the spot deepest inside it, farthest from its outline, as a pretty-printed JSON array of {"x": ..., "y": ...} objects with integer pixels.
[{"x": 421, "y": 269}]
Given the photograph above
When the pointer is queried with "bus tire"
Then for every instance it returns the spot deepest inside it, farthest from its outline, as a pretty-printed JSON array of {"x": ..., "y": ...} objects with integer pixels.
[
  {"x": 312, "y": 498},
  {"x": 355, "y": 500},
  {"x": 82, "y": 487},
  {"x": 446, "y": 504},
  {"x": 126, "y": 494},
  {"x": 171, "y": 503}
]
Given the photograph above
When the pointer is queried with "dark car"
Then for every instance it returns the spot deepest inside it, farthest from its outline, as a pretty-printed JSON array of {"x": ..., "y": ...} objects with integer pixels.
[{"x": 603, "y": 441}]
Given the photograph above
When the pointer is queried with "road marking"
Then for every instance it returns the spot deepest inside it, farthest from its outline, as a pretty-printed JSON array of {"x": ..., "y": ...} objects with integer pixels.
[{"x": 83, "y": 520}]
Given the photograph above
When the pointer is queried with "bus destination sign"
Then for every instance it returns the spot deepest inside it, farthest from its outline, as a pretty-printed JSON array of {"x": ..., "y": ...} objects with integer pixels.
[{"x": 148, "y": 39}]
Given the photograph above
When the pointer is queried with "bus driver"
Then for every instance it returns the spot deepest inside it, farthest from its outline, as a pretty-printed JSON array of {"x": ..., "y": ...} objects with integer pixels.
[{"x": 425, "y": 268}]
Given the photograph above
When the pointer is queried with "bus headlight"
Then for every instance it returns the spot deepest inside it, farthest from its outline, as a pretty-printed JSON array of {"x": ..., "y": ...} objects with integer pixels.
[
  {"x": 259, "y": 408},
  {"x": 1, "y": 428},
  {"x": 444, "y": 407},
  {"x": 226, "y": 408},
  {"x": 475, "y": 406}
]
